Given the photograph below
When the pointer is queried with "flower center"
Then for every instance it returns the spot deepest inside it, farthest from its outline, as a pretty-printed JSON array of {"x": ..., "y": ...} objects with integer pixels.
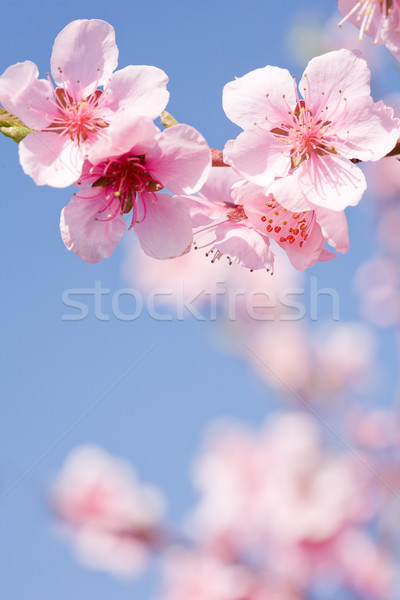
[
  {"x": 304, "y": 134},
  {"x": 237, "y": 213},
  {"x": 285, "y": 226},
  {"x": 124, "y": 178},
  {"x": 77, "y": 120}
]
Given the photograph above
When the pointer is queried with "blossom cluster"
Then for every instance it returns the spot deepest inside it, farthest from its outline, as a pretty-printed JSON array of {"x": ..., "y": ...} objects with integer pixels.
[
  {"x": 286, "y": 179},
  {"x": 279, "y": 511}
]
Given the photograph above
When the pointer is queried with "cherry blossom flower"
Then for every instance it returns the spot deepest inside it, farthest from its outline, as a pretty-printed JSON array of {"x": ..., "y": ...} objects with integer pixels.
[
  {"x": 233, "y": 218},
  {"x": 111, "y": 520},
  {"x": 221, "y": 226},
  {"x": 301, "y": 234},
  {"x": 67, "y": 119},
  {"x": 277, "y": 486},
  {"x": 379, "y": 19},
  {"x": 125, "y": 172},
  {"x": 281, "y": 503},
  {"x": 202, "y": 576},
  {"x": 300, "y": 149}
]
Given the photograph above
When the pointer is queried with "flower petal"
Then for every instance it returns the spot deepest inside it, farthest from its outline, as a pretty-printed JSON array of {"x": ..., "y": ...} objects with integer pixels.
[
  {"x": 85, "y": 54},
  {"x": 329, "y": 181},
  {"x": 333, "y": 76},
  {"x": 165, "y": 231},
  {"x": 126, "y": 132},
  {"x": 82, "y": 229},
  {"x": 218, "y": 187},
  {"x": 298, "y": 234},
  {"x": 245, "y": 100},
  {"x": 244, "y": 245},
  {"x": 26, "y": 96},
  {"x": 50, "y": 159},
  {"x": 258, "y": 156},
  {"x": 141, "y": 88},
  {"x": 181, "y": 159},
  {"x": 334, "y": 228},
  {"x": 366, "y": 130}
]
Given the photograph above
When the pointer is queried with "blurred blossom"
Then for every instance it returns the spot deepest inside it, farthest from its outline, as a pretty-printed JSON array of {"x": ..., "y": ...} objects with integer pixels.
[
  {"x": 193, "y": 279},
  {"x": 110, "y": 518},
  {"x": 389, "y": 227},
  {"x": 383, "y": 177},
  {"x": 325, "y": 361},
  {"x": 277, "y": 487},
  {"x": 378, "y": 284},
  {"x": 366, "y": 567},
  {"x": 377, "y": 429},
  {"x": 196, "y": 576},
  {"x": 308, "y": 37}
]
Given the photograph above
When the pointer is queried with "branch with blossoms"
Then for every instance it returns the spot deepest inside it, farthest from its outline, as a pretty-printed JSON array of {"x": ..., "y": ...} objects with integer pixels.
[{"x": 291, "y": 171}]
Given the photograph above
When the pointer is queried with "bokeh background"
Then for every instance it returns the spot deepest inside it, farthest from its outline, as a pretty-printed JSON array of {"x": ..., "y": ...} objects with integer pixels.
[{"x": 55, "y": 370}]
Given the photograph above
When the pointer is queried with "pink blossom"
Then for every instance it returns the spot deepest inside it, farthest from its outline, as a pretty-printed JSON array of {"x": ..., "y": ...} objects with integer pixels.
[
  {"x": 366, "y": 567},
  {"x": 301, "y": 234},
  {"x": 110, "y": 519},
  {"x": 128, "y": 167},
  {"x": 379, "y": 19},
  {"x": 301, "y": 149},
  {"x": 201, "y": 576},
  {"x": 277, "y": 486},
  {"x": 326, "y": 362},
  {"x": 378, "y": 284},
  {"x": 221, "y": 226},
  {"x": 235, "y": 218},
  {"x": 69, "y": 118}
]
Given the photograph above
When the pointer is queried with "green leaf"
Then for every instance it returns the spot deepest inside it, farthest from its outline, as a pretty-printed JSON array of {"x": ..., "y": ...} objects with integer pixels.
[{"x": 12, "y": 127}]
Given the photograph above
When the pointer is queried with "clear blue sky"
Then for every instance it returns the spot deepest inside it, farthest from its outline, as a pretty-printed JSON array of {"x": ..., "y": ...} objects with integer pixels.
[{"x": 53, "y": 371}]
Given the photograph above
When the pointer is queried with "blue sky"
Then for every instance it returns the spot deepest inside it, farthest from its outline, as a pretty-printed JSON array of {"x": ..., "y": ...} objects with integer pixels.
[{"x": 52, "y": 370}]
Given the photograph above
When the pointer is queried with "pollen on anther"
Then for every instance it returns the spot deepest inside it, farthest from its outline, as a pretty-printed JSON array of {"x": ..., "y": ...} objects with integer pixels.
[
  {"x": 263, "y": 219},
  {"x": 270, "y": 220}
]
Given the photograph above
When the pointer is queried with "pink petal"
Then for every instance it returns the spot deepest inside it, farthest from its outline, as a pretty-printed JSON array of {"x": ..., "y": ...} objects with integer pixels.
[
  {"x": 329, "y": 181},
  {"x": 126, "y": 132},
  {"x": 270, "y": 219},
  {"x": 218, "y": 187},
  {"x": 334, "y": 228},
  {"x": 140, "y": 88},
  {"x": 181, "y": 159},
  {"x": 166, "y": 229},
  {"x": 82, "y": 230},
  {"x": 202, "y": 211},
  {"x": 86, "y": 53},
  {"x": 244, "y": 245},
  {"x": 310, "y": 253},
  {"x": 368, "y": 130},
  {"x": 245, "y": 100},
  {"x": 50, "y": 159},
  {"x": 258, "y": 156},
  {"x": 333, "y": 76},
  {"x": 26, "y": 96}
]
